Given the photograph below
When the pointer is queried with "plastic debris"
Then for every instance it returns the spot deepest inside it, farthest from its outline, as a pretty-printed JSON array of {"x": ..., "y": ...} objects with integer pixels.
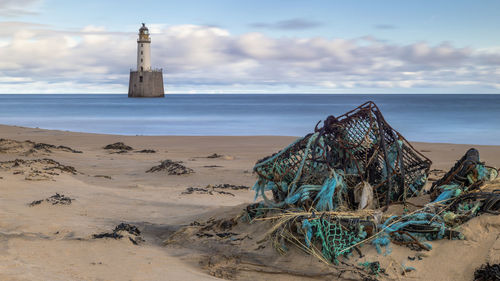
[{"x": 331, "y": 190}]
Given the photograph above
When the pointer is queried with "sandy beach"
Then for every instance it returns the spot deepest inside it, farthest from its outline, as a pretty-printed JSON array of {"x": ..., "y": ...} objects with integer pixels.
[
  {"x": 49, "y": 241},
  {"x": 249, "y": 140}
]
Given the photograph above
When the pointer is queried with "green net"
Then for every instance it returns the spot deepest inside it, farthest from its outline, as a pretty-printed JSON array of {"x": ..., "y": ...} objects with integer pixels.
[{"x": 332, "y": 236}]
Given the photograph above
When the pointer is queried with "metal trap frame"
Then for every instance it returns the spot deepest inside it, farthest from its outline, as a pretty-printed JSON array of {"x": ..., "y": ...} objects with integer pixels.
[{"x": 361, "y": 146}]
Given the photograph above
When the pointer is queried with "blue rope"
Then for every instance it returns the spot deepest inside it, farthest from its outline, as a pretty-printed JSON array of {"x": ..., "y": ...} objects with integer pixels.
[
  {"x": 325, "y": 196},
  {"x": 307, "y": 227}
]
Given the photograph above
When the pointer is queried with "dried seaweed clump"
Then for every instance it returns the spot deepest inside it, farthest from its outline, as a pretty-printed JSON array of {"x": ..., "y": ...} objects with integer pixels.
[
  {"x": 123, "y": 229},
  {"x": 118, "y": 146},
  {"x": 37, "y": 169},
  {"x": 146, "y": 151},
  {"x": 215, "y": 155},
  {"x": 171, "y": 167},
  {"x": 29, "y": 147},
  {"x": 198, "y": 190},
  {"x": 48, "y": 148},
  {"x": 56, "y": 199},
  {"x": 487, "y": 272},
  {"x": 211, "y": 189}
]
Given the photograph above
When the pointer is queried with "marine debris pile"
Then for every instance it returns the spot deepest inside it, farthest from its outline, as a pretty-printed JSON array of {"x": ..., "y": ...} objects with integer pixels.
[
  {"x": 331, "y": 190},
  {"x": 357, "y": 151}
]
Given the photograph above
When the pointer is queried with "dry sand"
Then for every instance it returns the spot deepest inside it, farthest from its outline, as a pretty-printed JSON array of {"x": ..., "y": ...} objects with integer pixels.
[{"x": 54, "y": 242}]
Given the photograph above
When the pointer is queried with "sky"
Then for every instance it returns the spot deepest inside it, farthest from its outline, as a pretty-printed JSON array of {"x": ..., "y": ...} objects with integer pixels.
[{"x": 259, "y": 46}]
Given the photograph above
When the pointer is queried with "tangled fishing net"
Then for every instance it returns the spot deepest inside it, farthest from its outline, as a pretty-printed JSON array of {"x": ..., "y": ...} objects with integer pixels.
[{"x": 330, "y": 188}]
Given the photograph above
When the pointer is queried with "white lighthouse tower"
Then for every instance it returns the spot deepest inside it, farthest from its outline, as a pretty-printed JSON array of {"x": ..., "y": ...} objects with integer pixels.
[
  {"x": 145, "y": 81},
  {"x": 144, "y": 49}
]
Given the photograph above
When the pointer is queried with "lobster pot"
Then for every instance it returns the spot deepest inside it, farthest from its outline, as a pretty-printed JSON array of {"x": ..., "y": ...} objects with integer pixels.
[{"x": 359, "y": 146}]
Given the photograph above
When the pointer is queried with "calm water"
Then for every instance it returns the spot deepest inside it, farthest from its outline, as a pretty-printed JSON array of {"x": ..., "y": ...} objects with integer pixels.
[{"x": 433, "y": 118}]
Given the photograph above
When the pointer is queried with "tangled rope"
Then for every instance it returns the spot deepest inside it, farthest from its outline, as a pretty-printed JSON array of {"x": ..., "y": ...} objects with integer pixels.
[
  {"x": 358, "y": 146},
  {"x": 320, "y": 184}
]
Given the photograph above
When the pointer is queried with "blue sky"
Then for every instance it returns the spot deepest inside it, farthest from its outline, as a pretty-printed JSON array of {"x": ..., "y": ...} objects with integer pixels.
[
  {"x": 253, "y": 46},
  {"x": 463, "y": 23}
]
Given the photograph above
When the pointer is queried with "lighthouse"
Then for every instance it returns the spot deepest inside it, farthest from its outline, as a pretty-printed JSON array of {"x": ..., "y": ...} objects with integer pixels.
[{"x": 145, "y": 82}]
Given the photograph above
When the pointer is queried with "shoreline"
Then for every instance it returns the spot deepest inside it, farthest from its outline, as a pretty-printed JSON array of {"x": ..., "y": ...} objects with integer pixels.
[
  {"x": 441, "y": 154},
  {"x": 5, "y": 127}
]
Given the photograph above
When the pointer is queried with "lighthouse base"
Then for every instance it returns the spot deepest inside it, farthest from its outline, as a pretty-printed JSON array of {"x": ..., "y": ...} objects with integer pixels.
[{"x": 146, "y": 84}]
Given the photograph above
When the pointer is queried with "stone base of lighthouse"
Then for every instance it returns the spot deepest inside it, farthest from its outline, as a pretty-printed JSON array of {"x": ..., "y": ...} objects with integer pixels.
[{"x": 146, "y": 84}]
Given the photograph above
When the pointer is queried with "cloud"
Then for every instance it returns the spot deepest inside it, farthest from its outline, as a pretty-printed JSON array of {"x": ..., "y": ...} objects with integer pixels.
[
  {"x": 15, "y": 8},
  {"x": 34, "y": 58},
  {"x": 291, "y": 24},
  {"x": 385, "y": 26}
]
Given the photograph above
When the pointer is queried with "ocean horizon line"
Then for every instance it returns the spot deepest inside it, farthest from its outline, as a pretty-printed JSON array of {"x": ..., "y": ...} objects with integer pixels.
[{"x": 257, "y": 93}]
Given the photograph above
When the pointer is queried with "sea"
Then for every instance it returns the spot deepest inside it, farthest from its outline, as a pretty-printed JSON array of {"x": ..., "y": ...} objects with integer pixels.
[{"x": 443, "y": 118}]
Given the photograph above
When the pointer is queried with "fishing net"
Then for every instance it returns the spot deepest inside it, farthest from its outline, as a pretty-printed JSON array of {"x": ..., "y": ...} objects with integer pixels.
[
  {"x": 320, "y": 170},
  {"x": 332, "y": 236},
  {"x": 315, "y": 183}
]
